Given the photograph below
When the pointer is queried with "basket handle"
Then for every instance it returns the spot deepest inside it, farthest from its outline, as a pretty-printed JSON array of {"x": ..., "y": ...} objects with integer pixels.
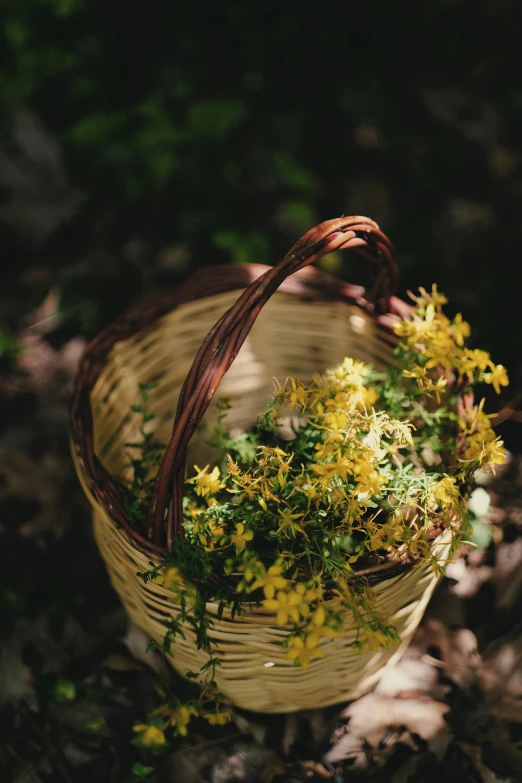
[{"x": 222, "y": 344}]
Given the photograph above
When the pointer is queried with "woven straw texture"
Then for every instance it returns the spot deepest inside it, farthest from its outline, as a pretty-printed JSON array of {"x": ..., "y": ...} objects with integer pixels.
[{"x": 309, "y": 324}]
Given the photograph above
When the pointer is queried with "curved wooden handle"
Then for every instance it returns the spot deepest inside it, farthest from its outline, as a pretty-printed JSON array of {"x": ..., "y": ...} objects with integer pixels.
[{"x": 222, "y": 344}]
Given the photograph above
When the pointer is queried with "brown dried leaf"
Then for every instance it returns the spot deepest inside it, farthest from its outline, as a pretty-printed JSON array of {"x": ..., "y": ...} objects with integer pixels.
[
  {"x": 379, "y": 722},
  {"x": 500, "y": 675},
  {"x": 458, "y": 650}
]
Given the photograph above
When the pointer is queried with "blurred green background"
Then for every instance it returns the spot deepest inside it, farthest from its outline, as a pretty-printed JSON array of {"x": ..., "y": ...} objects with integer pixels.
[{"x": 141, "y": 141}]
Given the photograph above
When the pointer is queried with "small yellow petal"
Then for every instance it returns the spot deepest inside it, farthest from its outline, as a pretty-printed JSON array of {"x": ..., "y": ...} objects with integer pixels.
[
  {"x": 312, "y": 640},
  {"x": 319, "y": 616},
  {"x": 269, "y": 589},
  {"x": 282, "y": 617}
]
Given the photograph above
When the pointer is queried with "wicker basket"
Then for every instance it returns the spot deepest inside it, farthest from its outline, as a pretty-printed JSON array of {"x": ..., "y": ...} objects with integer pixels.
[{"x": 311, "y": 321}]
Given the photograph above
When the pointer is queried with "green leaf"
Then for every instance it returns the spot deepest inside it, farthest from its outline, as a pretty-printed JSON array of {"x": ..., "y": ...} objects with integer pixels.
[
  {"x": 247, "y": 248},
  {"x": 63, "y": 691},
  {"x": 95, "y": 724},
  {"x": 216, "y": 118},
  {"x": 95, "y": 128},
  {"x": 140, "y": 771},
  {"x": 292, "y": 173}
]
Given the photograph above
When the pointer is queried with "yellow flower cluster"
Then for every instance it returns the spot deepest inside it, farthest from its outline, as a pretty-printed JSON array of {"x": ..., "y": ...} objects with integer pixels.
[
  {"x": 354, "y": 442},
  {"x": 478, "y": 442},
  {"x": 210, "y": 532},
  {"x": 439, "y": 344},
  {"x": 176, "y": 717},
  {"x": 264, "y": 483},
  {"x": 179, "y": 717},
  {"x": 298, "y": 604},
  {"x": 150, "y": 735},
  {"x": 207, "y": 484},
  {"x": 172, "y": 578},
  {"x": 218, "y": 718},
  {"x": 241, "y": 537}
]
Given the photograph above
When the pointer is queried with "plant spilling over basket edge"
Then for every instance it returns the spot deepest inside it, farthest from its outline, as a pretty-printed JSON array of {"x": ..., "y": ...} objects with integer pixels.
[{"x": 377, "y": 464}]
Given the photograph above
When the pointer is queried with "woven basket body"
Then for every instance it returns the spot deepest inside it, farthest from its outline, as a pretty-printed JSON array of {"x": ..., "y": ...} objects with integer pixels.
[{"x": 310, "y": 323}]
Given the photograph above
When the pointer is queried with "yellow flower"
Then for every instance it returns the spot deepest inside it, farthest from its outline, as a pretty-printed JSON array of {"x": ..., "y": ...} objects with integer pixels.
[
  {"x": 370, "y": 397},
  {"x": 150, "y": 735},
  {"x": 240, "y": 537},
  {"x": 444, "y": 492},
  {"x": 331, "y": 469},
  {"x": 252, "y": 569},
  {"x": 416, "y": 372},
  {"x": 479, "y": 359},
  {"x": 497, "y": 377},
  {"x": 300, "y": 654},
  {"x": 207, "y": 483},
  {"x": 493, "y": 453},
  {"x": 369, "y": 480},
  {"x": 304, "y": 597},
  {"x": 271, "y": 582},
  {"x": 377, "y": 639},
  {"x": 319, "y": 616},
  {"x": 197, "y": 529},
  {"x": 171, "y": 578},
  {"x": 216, "y": 527},
  {"x": 460, "y": 329},
  {"x": 180, "y": 718},
  {"x": 296, "y": 397},
  {"x": 233, "y": 468},
  {"x": 288, "y": 526},
  {"x": 193, "y": 510},
  {"x": 285, "y": 604},
  {"x": 218, "y": 718},
  {"x": 291, "y": 605},
  {"x": 326, "y": 449},
  {"x": 435, "y": 298},
  {"x": 336, "y": 421},
  {"x": 314, "y": 633},
  {"x": 428, "y": 386},
  {"x": 210, "y": 532},
  {"x": 350, "y": 371}
]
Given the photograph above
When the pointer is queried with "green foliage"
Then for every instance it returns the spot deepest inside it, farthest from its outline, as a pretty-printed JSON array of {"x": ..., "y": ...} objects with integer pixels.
[
  {"x": 243, "y": 248},
  {"x": 145, "y": 461},
  {"x": 63, "y": 691},
  {"x": 57, "y": 689},
  {"x": 96, "y": 724},
  {"x": 216, "y": 118},
  {"x": 140, "y": 771}
]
